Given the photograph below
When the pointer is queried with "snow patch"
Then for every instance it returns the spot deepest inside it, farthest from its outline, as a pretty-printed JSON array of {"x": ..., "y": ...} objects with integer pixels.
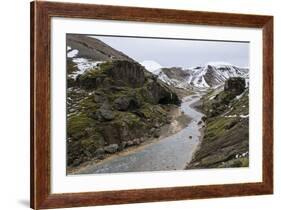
[
  {"x": 211, "y": 98},
  {"x": 247, "y": 82},
  {"x": 241, "y": 116},
  {"x": 83, "y": 65},
  {"x": 244, "y": 116},
  {"x": 152, "y": 66},
  {"x": 240, "y": 96},
  {"x": 231, "y": 116},
  {"x": 72, "y": 53},
  {"x": 163, "y": 77}
]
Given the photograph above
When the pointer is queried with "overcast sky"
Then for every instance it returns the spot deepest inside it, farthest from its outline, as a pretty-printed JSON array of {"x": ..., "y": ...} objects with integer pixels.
[{"x": 183, "y": 53}]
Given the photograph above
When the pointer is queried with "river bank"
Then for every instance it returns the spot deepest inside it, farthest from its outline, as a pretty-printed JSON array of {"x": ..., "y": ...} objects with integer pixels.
[
  {"x": 179, "y": 120},
  {"x": 171, "y": 151}
]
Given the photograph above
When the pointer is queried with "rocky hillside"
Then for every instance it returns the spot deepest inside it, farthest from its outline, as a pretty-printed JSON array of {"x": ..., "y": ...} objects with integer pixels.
[
  {"x": 226, "y": 135},
  {"x": 82, "y": 46},
  {"x": 111, "y": 106},
  {"x": 85, "y": 53}
]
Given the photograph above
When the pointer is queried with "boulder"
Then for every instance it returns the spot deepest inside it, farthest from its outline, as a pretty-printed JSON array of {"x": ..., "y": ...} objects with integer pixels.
[
  {"x": 77, "y": 162},
  {"x": 125, "y": 103},
  {"x": 122, "y": 145},
  {"x": 130, "y": 143},
  {"x": 152, "y": 130},
  {"x": 99, "y": 152},
  {"x": 112, "y": 148},
  {"x": 157, "y": 125},
  {"x": 107, "y": 114},
  {"x": 156, "y": 134},
  {"x": 142, "y": 140},
  {"x": 136, "y": 141}
]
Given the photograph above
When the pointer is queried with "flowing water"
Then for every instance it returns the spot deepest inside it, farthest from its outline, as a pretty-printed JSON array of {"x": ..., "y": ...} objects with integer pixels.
[{"x": 170, "y": 153}]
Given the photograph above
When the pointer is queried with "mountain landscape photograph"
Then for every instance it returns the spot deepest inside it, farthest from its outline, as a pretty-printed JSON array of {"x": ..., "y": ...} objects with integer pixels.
[{"x": 136, "y": 104}]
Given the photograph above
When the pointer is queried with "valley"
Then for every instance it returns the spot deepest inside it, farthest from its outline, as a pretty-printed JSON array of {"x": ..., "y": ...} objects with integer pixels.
[
  {"x": 167, "y": 153},
  {"x": 130, "y": 116}
]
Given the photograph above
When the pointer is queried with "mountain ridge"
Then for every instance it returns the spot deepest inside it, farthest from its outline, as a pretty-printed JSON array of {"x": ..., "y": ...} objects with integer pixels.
[{"x": 211, "y": 75}]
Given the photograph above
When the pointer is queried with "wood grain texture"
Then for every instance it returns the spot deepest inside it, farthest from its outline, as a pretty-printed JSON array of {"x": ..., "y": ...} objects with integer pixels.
[
  {"x": 32, "y": 142},
  {"x": 41, "y": 14},
  {"x": 268, "y": 104}
]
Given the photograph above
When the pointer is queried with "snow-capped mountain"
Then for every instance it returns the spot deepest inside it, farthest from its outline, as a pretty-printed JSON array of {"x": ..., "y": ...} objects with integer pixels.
[
  {"x": 172, "y": 76},
  {"x": 214, "y": 74},
  {"x": 175, "y": 76},
  {"x": 210, "y": 75}
]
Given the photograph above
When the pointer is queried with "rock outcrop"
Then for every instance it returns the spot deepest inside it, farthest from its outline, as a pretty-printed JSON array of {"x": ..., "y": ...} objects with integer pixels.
[
  {"x": 129, "y": 73},
  {"x": 235, "y": 85},
  {"x": 220, "y": 102},
  {"x": 111, "y": 107}
]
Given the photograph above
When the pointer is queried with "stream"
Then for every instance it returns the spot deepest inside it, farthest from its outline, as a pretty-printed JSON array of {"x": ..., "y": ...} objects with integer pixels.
[{"x": 170, "y": 153}]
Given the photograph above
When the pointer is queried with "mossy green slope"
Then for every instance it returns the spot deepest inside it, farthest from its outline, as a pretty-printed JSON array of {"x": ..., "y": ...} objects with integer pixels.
[
  {"x": 226, "y": 135},
  {"x": 114, "y": 103}
]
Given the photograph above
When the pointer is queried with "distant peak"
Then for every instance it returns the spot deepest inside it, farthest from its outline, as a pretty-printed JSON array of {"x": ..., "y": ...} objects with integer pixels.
[{"x": 151, "y": 65}]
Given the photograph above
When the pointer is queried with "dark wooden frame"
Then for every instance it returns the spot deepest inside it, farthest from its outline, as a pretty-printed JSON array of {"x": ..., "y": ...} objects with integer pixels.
[{"x": 41, "y": 14}]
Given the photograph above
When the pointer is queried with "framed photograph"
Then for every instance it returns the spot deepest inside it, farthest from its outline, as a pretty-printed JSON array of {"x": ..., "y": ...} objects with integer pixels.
[{"x": 141, "y": 105}]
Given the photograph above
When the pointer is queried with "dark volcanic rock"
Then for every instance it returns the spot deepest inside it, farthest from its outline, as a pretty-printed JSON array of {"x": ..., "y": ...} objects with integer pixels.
[
  {"x": 112, "y": 148},
  {"x": 89, "y": 81},
  {"x": 160, "y": 94},
  {"x": 114, "y": 74},
  {"x": 235, "y": 85},
  {"x": 99, "y": 152},
  {"x": 104, "y": 112},
  {"x": 130, "y": 73},
  {"x": 125, "y": 103}
]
